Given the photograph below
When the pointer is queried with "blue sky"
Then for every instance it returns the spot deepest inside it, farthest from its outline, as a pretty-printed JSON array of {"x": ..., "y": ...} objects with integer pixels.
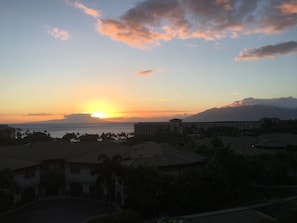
[{"x": 151, "y": 58}]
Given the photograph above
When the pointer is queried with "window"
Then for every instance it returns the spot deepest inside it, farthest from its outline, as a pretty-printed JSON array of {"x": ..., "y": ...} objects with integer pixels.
[
  {"x": 75, "y": 168},
  {"x": 29, "y": 172}
]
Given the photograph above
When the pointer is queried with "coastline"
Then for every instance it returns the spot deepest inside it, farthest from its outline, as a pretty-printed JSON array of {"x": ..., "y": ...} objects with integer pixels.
[{"x": 58, "y": 130}]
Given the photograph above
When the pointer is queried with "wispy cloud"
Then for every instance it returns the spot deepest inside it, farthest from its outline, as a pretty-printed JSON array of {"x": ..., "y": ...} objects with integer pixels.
[
  {"x": 39, "y": 114},
  {"x": 59, "y": 34},
  {"x": 89, "y": 11},
  {"x": 151, "y": 22},
  {"x": 145, "y": 72},
  {"x": 268, "y": 51}
]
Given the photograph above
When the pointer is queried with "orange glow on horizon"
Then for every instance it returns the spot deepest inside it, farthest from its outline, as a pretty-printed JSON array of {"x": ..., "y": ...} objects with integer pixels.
[
  {"x": 100, "y": 109},
  {"x": 20, "y": 118}
]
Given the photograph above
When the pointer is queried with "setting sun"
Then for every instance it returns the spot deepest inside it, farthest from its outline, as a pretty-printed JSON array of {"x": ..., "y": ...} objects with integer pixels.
[
  {"x": 100, "y": 115},
  {"x": 102, "y": 109}
]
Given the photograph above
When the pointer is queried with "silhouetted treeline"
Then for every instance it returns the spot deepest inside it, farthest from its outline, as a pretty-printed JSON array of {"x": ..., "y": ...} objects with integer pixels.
[
  {"x": 30, "y": 137},
  {"x": 226, "y": 180},
  {"x": 275, "y": 125}
]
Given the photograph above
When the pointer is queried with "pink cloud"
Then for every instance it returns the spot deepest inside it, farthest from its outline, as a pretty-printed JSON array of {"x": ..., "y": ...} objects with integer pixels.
[
  {"x": 59, "y": 34},
  {"x": 145, "y": 72},
  {"x": 289, "y": 7},
  {"x": 151, "y": 22},
  {"x": 89, "y": 11},
  {"x": 134, "y": 37}
]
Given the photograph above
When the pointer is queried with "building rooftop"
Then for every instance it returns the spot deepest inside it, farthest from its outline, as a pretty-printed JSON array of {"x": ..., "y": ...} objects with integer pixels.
[
  {"x": 148, "y": 153},
  {"x": 15, "y": 164},
  {"x": 155, "y": 154}
]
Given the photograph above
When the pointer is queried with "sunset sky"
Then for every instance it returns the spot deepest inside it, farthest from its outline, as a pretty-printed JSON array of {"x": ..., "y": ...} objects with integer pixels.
[{"x": 131, "y": 58}]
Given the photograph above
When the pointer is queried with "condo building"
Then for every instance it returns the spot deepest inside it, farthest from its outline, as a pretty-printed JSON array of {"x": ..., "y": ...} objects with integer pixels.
[
  {"x": 148, "y": 129},
  {"x": 62, "y": 168}
]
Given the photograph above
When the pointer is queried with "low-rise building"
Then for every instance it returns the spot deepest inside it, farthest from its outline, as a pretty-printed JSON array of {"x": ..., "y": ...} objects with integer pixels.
[
  {"x": 26, "y": 174},
  {"x": 64, "y": 168},
  {"x": 7, "y": 132}
]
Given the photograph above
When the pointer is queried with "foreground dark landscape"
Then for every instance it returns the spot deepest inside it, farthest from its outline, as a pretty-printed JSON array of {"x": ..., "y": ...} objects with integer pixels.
[{"x": 182, "y": 171}]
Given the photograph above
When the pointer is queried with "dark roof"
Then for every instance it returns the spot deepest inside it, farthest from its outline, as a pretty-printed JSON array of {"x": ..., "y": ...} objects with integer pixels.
[
  {"x": 155, "y": 154},
  {"x": 15, "y": 164},
  {"x": 148, "y": 153}
]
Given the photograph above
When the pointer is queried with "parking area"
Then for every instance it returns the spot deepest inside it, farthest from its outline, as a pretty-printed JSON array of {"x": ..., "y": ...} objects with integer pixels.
[{"x": 58, "y": 211}]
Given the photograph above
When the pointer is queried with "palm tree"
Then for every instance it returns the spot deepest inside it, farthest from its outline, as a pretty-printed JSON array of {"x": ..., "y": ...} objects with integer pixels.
[{"x": 106, "y": 170}]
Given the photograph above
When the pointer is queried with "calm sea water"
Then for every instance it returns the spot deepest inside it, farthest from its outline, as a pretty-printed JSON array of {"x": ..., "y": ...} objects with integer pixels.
[{"x": 58, "y": 130}]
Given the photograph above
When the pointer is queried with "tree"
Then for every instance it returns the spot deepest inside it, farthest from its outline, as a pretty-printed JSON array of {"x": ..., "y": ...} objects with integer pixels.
[
  {"x": 37, "y": 137},
  {"x": 106, "y": 170},
  {"x": 145, "y": 189},
  {"x": 7, "y": 188},
  {"x": 69, "y": 136},
  {"x": 89, "y": 138},
  {"x": 274, "y": 168},
  {"x": 108, "y": 136}
]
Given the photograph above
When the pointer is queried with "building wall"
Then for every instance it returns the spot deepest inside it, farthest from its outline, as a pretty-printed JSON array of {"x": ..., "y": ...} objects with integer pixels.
[
  {"x": 7, "y": 132},
  {"x": 244, "y": 125},
  {"x": 151, "y": 128},
  {"x": 76, "y": 172},
  {"x": 28, "y": 177},
  {"x": 154, "y": 128},
  {"x": 79, "y": 179}
]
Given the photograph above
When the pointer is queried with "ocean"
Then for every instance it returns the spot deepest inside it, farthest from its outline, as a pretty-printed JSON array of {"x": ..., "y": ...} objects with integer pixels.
[{"x": 58, "y": 130}]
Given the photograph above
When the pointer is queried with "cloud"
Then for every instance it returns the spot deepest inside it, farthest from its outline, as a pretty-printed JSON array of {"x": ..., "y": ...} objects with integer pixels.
[
  {"x": 39, "y": 114},
  {"x": 80, "y": 117},
  {"x": 268, "y": 51},
  {"x": 289, "y": 7},
  {"x": 151, "y": 22},
  {"x": 284, "y": 102},
  {"x": 89, "y": 11},
  {"x": 59, "y": 34},
  {"x": 145, "y": 72}
]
